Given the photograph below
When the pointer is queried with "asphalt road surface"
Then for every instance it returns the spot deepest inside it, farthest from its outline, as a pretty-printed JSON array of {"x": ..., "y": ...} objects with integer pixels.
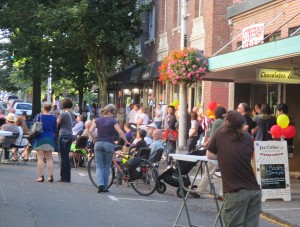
[{"x": 78, "y": 204}]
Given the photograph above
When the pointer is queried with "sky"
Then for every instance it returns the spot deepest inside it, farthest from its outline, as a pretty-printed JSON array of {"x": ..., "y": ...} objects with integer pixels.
[{"x": 2, "y": 39}]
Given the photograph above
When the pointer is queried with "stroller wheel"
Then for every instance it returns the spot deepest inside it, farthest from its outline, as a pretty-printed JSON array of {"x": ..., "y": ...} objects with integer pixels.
[
  {"x": 179, "y": 193},
  {"x": 161, "y": 187}
]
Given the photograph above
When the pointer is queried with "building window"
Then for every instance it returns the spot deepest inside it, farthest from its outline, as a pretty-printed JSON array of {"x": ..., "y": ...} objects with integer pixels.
[
  {"x": 294, "y": 31},
  {"x": 164, "y": 13},
  {"x": 177, "y": 12},
  {"x": 198, "y": 8},
  {"x": 273, "y": 37},
  {"x": 150, "y": 35}
]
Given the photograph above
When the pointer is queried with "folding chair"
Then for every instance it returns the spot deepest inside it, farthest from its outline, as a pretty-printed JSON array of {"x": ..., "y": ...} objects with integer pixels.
[
  {"x": 80, "y": 149},
  {"x": 20, "y": 149},
  {"x": 6, "y": 145}
]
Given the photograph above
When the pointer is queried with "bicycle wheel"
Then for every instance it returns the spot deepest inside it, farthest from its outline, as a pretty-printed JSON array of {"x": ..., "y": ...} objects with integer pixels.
[
  {"x": 93, "y": 176},
  {"x": 146, "y": 184},
  {"x": 92, "y": 171}
]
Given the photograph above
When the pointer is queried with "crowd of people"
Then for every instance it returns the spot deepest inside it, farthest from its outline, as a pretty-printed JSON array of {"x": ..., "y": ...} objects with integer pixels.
[{"x": 227, "y": 137}]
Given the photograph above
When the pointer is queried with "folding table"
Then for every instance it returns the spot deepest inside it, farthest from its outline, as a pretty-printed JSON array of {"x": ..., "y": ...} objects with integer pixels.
[{"x": 193, "y": 158}]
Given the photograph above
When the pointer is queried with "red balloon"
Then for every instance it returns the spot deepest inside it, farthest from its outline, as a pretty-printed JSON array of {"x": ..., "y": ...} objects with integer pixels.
[
  {"x": 212, "y": 105},
  {"x": 276, "y": 131},
  {"x": 289, "y": 132}
]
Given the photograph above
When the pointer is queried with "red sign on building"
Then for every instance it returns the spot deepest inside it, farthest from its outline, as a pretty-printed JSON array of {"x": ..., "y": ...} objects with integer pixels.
[{"x": 253, "y": 35}]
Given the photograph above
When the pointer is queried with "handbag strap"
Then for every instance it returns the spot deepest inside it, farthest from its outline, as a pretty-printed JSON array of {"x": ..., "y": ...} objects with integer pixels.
[
  {"x": 39, "y": 115},
  {"x": 70, "y": 117}
]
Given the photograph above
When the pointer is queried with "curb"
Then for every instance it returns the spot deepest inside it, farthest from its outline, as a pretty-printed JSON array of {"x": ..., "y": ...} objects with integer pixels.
[{"x": 276, "y": 219}]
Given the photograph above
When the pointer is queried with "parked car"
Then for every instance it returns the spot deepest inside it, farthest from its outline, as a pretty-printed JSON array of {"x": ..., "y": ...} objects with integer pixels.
[{"x": 21, "y": 107}]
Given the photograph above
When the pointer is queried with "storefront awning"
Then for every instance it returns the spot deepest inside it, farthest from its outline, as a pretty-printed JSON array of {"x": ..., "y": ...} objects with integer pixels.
[
  {"x": 136, "y": 74},
  {"x": 151, "y": 73},
  {"x": 123, "y": 76},
  {"x": 241, "y": 66}
]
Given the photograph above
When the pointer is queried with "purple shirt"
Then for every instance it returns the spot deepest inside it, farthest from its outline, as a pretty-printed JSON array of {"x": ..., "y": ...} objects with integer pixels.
[{"x": 106, "y": 130}]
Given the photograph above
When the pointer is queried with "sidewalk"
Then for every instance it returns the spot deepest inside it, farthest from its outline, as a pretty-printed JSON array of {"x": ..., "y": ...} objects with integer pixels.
[{"x": 285, "y": 212}]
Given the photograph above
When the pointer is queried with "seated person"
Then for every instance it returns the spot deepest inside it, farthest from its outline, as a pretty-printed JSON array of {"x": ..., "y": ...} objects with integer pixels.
[
  {"x": 7, "y": 142},
  {"x": 85, "y": 133},
  {"x": 128, "y": 132},
  {"x": 87, "y": 126},
  {"x": 78, "y": 127},
  {"x": 156, "y": 145},
  {"x": 147, "y": 139},
  {"x": 20, "y": 141},
  {"x": 139, "y": 141},
  {"x": 128, "y": 135}
]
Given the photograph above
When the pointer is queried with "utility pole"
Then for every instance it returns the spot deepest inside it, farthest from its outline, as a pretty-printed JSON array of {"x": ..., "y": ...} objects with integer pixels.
[{"x": 183, "y": 87}]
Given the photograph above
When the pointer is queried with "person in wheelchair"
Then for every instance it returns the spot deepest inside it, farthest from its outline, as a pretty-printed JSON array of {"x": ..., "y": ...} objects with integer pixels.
[
  {"x": 20, "y": 141},
  {"x": 89, "y": 144},
  {"x": 6, "y": 142},
  {"x": 156, "y": 145},
  {"x": 78, "y": 128}
]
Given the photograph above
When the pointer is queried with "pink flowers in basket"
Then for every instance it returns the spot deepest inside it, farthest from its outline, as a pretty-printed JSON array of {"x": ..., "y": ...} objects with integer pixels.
[{"x": 183, "y": 67}]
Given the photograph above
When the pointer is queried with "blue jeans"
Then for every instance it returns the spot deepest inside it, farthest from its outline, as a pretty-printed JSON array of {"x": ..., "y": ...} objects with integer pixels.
[
  {"x": 64, "y": 143},
  {"x": 104, "y": 152}
]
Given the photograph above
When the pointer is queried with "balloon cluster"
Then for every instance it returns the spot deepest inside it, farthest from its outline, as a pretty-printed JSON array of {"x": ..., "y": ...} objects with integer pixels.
[
  {"x": 175, "y": 103},
  {"x": 282, "y": 129},
  {"x": 211, "y": 107}
]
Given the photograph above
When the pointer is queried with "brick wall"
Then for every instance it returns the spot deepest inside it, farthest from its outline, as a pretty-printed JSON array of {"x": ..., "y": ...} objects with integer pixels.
[
  {"x": 265, "y": 14},
  {"x": 215, "y": 91}
]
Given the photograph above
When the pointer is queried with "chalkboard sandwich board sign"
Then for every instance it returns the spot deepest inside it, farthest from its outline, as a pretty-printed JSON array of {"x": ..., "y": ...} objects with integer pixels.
[{"x": 272, "y": 169}]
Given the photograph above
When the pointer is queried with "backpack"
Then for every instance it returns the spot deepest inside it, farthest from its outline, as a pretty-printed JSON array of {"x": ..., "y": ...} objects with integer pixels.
[{"x": 266, "y": 127}]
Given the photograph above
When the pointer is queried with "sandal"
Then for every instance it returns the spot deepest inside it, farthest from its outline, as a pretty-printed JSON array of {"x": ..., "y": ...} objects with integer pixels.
[{"x": 24, "y": 159}]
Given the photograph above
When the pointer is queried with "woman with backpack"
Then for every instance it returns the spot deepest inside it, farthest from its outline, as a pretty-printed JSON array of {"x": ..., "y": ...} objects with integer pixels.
[{"x": 264, "y": 122}]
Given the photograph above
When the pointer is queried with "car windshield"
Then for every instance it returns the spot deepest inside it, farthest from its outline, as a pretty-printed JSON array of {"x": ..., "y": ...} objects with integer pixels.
[{"x": 24, "y": 106}]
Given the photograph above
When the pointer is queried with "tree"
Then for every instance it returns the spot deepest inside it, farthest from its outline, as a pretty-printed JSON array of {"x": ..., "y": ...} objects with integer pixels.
[{"x": 21, "y": 19}]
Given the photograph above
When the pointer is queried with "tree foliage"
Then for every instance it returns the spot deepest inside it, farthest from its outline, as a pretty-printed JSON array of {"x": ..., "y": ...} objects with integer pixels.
[{"x": 81, "y": 39}]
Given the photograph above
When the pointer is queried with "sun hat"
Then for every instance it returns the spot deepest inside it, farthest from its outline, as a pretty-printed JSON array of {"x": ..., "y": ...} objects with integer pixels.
[
  {"x": 11, "y": 117},
  {"x": 234, "y": 117},
  {"x": 152, "y": 125}
]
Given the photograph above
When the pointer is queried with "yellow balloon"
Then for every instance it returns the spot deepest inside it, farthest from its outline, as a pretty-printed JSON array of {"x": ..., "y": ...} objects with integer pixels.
[
  {"x": 175, "y": 102},
  {"x": 283, "y": 121},
  {"x": 209, "y": 112},
  {"x": 212, "y": 116}
]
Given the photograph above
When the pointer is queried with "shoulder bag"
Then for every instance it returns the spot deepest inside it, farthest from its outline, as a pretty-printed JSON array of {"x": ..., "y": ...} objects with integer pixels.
[{"x": 37, "y": 127}]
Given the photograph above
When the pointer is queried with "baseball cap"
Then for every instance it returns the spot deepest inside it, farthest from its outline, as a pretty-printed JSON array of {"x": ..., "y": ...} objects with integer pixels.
[
  {"x": 234, "y": 117},
  {"x": 152, "y": 125}
]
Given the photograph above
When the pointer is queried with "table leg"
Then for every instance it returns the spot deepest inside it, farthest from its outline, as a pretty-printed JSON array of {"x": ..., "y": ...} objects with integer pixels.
[
  {"x": 213, "y": 190},
  {"x": 181, "y": 183},
  {"x": 182, "y": 188}
]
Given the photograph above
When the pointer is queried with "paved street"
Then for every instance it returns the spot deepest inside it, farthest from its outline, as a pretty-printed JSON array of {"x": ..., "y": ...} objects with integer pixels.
[{"x": 79, "y": 204}]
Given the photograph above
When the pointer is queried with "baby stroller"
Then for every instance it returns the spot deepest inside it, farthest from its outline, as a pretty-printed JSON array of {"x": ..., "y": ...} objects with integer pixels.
[{"x": 170, "y": 175}]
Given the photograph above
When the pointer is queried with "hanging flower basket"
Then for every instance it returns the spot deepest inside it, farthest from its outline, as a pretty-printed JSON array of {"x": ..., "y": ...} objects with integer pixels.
[{"x": 183, "y": 67}]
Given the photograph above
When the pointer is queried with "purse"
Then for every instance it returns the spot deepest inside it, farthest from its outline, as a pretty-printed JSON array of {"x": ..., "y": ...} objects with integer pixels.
[
  {"x": 37, "y": 127},
  {"x": 171, "y": 135}
]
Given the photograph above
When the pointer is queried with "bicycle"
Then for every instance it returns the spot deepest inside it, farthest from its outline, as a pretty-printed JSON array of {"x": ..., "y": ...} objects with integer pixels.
[{"x": 144, "y": 182}]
